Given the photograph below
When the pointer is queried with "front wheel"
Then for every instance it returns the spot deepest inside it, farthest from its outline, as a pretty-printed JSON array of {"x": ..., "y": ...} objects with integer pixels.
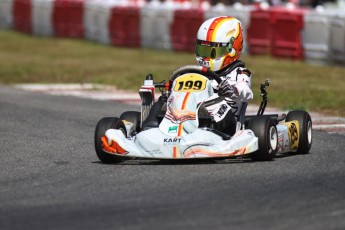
[
  {"x": 305, "y": 129},
  {"x": 134, "y": 118},
  {"x": 265, "y": 130},
  {"x": 103, "y": 125}
]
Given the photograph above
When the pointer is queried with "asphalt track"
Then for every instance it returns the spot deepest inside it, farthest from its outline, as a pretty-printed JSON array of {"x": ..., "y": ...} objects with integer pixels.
[{"x": 50, "y": 178}]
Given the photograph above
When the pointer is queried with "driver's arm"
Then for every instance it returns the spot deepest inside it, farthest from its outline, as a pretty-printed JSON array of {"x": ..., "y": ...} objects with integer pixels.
[
  {"x": 243, "y": 86},
  {"x": 240, "y": 80}
]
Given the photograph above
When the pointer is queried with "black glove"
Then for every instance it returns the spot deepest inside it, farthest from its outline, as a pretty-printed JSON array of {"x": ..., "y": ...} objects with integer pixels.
[{"x": 225, "y": 89}]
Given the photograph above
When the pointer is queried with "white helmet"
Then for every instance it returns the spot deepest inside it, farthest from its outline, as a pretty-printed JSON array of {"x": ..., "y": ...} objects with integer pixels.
[{"x": 219, "y": 42}]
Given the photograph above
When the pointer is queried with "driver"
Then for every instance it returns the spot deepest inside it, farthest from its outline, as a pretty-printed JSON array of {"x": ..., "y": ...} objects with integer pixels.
[{"x": 218, "y": 47}]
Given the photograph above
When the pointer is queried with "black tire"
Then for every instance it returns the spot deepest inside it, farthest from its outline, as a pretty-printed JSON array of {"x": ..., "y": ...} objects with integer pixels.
[
  {"x": 265, "y": 130},
  {"x": 103, "y": 125},
  {"x": 305, "y": 129},
  {"x": 134, "y": 117}
]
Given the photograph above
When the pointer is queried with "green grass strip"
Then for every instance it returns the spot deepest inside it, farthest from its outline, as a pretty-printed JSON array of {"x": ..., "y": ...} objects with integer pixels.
[{"x": 30, "y": 59}]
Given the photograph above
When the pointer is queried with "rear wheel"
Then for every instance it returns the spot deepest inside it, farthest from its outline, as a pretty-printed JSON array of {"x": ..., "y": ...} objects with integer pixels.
[
  {"x": 305, "y": 129},
  {"x": 103, "y": 125},
  {"x": 265, "y": 130}
]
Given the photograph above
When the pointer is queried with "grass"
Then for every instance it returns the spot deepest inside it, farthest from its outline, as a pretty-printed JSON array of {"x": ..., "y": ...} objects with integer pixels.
[{"x": 29, "y": 59}]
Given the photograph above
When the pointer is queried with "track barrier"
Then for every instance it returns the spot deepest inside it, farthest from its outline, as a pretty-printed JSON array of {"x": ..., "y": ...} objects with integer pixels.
[
  {"x": 316, "y": 36},
  {"x": 124, "y": 26},
  {"x": 22, "y": 16},
  {"x": 68, "y": 18},
  {"x": 184, "y": 28}
]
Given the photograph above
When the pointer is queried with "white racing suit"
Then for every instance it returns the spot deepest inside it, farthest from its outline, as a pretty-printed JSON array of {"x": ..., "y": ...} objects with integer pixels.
[{"x": 226, "y": 112}]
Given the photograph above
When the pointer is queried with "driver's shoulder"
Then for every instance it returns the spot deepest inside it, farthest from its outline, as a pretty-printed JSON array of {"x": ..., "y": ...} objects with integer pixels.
[
  {"x": 237, "y": 74},
  {"x": 235, "y": 68}
]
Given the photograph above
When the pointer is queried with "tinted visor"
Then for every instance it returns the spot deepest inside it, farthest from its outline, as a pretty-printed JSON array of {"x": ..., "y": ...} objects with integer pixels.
[{"x": 212, "y": 49}]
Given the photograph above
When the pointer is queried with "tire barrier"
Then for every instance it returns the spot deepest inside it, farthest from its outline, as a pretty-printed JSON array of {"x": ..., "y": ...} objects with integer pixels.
[
  {"x": 22, "y": 11},
  {"x": 287, "y": 26},
  {"x": 96, "y": 17},
  {"x": 124, "y": 26},
  {"x": 337, "y": 40},
  {"x": 316, "y": 39},
  {"x": 6, "y": 16},
  {"x": 259, "y": 34},
  {"x": 155, "y": 23},
  {"x": 68, "y": 18},
  {"x": 184, "y": 28},
  {"x": 41, "y": 17},
  {"x": 288, "y": 32}
]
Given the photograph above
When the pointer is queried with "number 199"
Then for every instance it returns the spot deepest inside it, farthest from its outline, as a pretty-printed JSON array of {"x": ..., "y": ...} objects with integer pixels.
[{"x": 188, "y": 85}]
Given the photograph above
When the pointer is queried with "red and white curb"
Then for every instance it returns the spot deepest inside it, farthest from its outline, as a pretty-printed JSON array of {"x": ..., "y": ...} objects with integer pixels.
[
  {"x": 92, "y": 91},
  {"x": 330, "y": 124}
]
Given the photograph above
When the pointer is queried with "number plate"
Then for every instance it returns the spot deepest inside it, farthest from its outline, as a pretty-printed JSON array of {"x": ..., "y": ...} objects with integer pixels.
[{"x": 191, "y": 82}]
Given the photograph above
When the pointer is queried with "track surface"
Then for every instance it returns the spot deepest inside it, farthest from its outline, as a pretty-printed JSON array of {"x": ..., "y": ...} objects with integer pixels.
[{"x": 50, "y": 178}]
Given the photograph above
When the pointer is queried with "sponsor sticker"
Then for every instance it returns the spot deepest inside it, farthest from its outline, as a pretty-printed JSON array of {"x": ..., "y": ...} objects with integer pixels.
[
  {"x": 171, "y": 141},
  {"x": 172, "y": 129}
]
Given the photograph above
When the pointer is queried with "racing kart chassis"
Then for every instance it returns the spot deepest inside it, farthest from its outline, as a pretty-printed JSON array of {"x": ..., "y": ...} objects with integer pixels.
[{"x": 178, "y": 126}]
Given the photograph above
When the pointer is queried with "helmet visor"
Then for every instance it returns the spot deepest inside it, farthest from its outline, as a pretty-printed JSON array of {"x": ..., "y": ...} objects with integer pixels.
[{"x": 212, "y": 49}]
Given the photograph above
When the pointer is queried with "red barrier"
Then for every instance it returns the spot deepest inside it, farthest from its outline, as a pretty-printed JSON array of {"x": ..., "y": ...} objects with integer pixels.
[
  {"x": 124, "y": 26},
  {"x": 22, "y": 15},
  {"x": 259, "y": 33},
  {"x": 287, "y": 32},
  {"x": 184, "y": 29},
  {"x": 68, "y": 18}
]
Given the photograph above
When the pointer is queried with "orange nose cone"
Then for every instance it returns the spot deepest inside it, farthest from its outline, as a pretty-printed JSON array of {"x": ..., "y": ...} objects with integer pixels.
[
  {"x": 113, "y": 148},
  {"x": 118, "y": 148},
  {"x": 106, "y": 146}
]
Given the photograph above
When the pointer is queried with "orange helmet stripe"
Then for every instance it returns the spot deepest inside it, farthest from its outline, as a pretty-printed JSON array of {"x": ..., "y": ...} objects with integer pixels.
[{"x": 211, "y": 33}]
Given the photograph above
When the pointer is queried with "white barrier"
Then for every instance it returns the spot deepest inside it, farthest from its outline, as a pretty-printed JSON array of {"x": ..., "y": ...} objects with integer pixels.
[
  {"x": 217, "y": 10},
  {"x": 41, "y": 17},
  {"x": 148, "y": 15},
  {"x": 96, "y": 19},
  {"x": 317, "y": 36},
  {"x": 155, "y": 22},
  {"x": 102, "y": 20},
  {"x": 337, "y": 40},
  {"x": 90, "y": 11},
  {"x": 6, "y": 18}
]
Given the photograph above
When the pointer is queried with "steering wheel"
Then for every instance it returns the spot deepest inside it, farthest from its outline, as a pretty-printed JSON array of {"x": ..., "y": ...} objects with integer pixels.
[{"x": 195, "y": 69}]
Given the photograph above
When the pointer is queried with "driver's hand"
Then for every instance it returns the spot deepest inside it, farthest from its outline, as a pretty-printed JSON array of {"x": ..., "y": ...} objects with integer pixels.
[{"x": 227, "y": 90}]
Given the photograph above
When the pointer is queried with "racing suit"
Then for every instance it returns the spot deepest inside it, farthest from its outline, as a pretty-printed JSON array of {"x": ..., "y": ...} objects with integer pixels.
[{"x": 226, "y": 111}]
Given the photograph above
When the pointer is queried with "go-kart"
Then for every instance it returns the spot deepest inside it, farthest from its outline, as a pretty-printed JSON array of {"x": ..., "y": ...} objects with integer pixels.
[{"x": 178, "y": 126}]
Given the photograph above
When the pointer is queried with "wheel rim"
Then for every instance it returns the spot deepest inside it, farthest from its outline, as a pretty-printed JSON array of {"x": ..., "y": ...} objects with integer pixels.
[
  {"x": 309, "y": 132},
  {"x": 273, "y": 138}
]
